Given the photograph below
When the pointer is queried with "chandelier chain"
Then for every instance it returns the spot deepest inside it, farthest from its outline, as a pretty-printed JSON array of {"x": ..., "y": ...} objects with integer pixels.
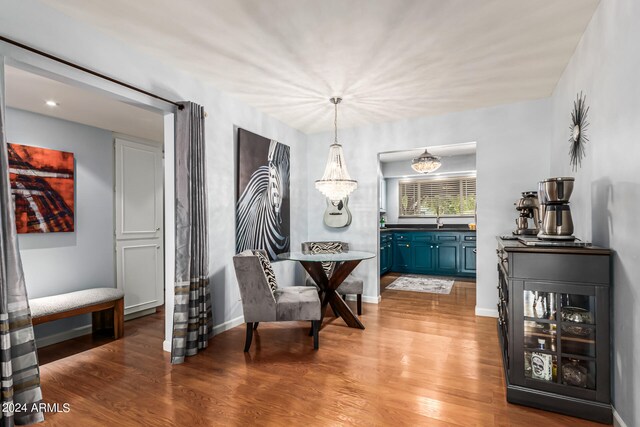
[{"x": 335, "y": 123}]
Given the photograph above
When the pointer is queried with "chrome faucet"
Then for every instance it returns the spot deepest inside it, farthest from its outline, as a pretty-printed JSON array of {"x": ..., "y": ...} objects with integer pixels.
[{"x": 439, "y": 223}]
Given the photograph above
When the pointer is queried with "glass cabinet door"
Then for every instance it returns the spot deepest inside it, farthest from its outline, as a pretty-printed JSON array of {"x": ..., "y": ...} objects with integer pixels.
[
  {"x": 578, "y": 340},
  {"x": 559, "y": 339},
  {"x": 540, "y": 339}
]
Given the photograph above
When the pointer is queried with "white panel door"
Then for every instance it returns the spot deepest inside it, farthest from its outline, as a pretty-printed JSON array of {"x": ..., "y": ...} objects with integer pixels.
[
  {"x": 140, "y": 271},
  {"x": 138, "y": 190},
  {"x": 138, "y": 224}
]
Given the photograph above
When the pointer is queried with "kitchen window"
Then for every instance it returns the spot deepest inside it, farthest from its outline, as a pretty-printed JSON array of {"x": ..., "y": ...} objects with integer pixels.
[{"x": 429, "y": 198}]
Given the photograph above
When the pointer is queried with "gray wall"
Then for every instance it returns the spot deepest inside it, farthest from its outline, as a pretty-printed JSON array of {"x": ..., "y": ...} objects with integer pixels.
[
  {"x": 24, "y": 20},
  {"x": 502, "y": 133},
  {"x": 63, "y": 262},
  {"x": 606, "y": 198},
  {"x": 396, "y": 171}
]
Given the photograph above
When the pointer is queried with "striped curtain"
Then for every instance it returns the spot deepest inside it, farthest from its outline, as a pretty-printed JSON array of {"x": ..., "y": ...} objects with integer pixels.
[
  {"x": 192, "y": 320},
  {"x": 18, "y": 357}
]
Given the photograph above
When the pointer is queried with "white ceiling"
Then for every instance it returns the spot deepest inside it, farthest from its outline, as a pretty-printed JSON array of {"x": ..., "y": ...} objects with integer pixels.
[
  {"x": 388, "y": 59},
  {"x": 28, "y": 91},
  {"x": 436, "y": 150}
]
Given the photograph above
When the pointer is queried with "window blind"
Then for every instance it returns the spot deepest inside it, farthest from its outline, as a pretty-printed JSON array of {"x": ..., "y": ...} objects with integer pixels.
[{"x": 433, "y": 197}]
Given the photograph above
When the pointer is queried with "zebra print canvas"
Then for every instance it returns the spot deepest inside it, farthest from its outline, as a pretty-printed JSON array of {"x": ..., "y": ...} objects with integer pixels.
[{"x": 262, "y": 203}]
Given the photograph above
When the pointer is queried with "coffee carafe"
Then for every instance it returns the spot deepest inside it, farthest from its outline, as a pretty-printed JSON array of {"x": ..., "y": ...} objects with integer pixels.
[
  {"x": 556, "y": 221},
  {"x": 528, "y": 219}
]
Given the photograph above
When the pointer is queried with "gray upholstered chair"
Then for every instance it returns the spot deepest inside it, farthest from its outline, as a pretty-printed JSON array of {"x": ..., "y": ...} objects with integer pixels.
[
  {"x": 264, "y": 301},
  {"x": 351, "y": 285}
]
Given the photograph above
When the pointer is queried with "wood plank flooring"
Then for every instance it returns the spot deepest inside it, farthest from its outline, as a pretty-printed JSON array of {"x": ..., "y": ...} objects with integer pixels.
[{"x": 423, "y": 360}]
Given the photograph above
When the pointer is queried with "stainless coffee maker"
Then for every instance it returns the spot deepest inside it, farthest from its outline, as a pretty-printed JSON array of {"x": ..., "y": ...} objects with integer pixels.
[
  {"x": 556, "y": 222},
  {"x": 529, "y": 219}
]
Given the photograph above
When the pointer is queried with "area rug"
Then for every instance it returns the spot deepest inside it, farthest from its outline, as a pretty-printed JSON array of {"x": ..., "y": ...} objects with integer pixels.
[{"x": 417, "y": 283}]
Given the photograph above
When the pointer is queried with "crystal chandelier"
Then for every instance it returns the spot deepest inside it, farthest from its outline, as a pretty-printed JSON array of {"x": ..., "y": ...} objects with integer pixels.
[
  {"x": 426, "y": 163},
  {"x": 336, "y": 184}
]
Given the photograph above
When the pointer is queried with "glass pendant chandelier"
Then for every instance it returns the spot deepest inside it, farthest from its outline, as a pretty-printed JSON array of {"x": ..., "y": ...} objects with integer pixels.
[
  {"x": 336, "y": 183},
  {"x": 426, "y": 162}
]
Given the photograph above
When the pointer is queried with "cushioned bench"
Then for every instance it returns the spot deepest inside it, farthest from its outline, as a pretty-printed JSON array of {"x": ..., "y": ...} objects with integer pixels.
[{"x": 105, "y": 304}]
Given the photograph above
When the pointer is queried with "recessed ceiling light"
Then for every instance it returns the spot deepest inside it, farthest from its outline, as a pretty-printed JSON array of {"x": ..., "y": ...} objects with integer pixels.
[{"x": 52, "y": 103}]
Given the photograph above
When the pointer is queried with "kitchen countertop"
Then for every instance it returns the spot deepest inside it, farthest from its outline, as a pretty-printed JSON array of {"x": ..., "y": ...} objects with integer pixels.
[{"x": 427, "y": 228}]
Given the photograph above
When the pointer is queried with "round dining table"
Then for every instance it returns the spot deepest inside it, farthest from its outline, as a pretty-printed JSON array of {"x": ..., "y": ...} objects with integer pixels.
[{"x": 345, "y": 262}]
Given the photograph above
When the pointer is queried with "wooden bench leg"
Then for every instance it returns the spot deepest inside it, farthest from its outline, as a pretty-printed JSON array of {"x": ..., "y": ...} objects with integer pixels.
[
  {"x": 118, "y": 319},
  {"x": 101, "y": 320},
  {"x": 111, "y": 319}
]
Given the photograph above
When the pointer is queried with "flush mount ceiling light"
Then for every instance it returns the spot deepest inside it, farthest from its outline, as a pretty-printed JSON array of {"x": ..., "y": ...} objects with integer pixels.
[
  {"x": 51, "y": 103},
  {"x": 426, "y": 162},
  {"x": 336, "y": 183}
]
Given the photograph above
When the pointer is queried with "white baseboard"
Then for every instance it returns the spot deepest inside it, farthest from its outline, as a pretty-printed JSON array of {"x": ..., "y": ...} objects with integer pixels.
[
  {"x": 218, "y": 329},
  {"x": 617, "y": 419},
  {"x": 486, "y": 312},
  {"x": 137, "y": 314},
  {"x": 229, "y": 324},
  {"x": 63, "y": 336},
  {"x": 366, "y": 298}
]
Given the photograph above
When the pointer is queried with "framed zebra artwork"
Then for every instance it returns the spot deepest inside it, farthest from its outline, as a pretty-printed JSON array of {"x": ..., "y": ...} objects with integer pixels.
[{"x": 262, "y": 194}]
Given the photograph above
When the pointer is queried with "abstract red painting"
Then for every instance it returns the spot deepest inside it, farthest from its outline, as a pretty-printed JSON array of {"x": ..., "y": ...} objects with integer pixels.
[{"x": 42, "y": 185}]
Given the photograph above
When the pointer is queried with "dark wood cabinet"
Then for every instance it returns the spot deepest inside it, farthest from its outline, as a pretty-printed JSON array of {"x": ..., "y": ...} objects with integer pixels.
[{"x": 554, "y": 328}]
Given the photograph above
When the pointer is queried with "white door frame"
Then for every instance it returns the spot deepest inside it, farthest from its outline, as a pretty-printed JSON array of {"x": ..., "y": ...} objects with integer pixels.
[{"x": 169, "y": 227}]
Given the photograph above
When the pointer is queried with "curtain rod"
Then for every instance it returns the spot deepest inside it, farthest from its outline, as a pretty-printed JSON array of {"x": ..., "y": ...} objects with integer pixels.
[{"x": 89, "y": 71}]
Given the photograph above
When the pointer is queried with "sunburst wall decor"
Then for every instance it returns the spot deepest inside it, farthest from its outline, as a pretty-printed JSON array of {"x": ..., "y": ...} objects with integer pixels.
[{"x": 577, "y": 131}]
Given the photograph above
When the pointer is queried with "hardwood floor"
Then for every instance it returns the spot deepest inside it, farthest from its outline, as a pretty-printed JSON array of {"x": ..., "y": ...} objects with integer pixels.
[{"x": 423, "y": 359}]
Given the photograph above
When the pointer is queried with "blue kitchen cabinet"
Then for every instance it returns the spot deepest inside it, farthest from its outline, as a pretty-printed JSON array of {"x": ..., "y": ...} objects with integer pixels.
[
  {"x": 386, "y": 252},
  {"x": 447, "y": 253},
  {"x": 447, "y": 258},
  {"x": 402, "y": 259},
  {"x": 468, "y": 255},
  {"x": 423, "y": 258},
  {"x": 389, "y": 252}
]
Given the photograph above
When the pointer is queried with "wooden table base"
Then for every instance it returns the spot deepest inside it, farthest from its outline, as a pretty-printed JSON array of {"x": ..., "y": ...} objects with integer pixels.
[{"x": 328, "y": 287}]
